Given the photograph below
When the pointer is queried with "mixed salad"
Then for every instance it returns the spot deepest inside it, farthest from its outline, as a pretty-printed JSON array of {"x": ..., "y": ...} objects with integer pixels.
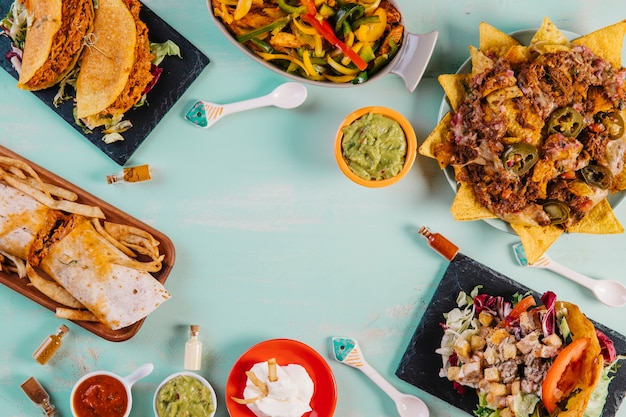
[{"x": 525, "y": 358}]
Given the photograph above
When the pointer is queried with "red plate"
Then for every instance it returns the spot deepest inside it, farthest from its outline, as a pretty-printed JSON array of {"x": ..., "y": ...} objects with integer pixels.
[{"x": 286, "y": 351}]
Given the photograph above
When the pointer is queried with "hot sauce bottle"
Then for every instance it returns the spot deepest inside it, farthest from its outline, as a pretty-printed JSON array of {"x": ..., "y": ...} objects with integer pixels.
[
  {"x": 439, "y": 243},
  {"x": 193, "y": 349},
  {"x": 50, "y": 345}
]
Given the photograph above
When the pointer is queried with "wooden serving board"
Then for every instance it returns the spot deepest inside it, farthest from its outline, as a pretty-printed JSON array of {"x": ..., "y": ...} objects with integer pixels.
[{"x": 112, "y": 214}]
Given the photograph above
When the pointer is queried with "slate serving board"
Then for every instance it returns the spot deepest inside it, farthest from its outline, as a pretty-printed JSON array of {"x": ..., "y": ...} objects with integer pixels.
[
  {"x": 420, "y": 364},
  {"x": 177, "y": 76}
]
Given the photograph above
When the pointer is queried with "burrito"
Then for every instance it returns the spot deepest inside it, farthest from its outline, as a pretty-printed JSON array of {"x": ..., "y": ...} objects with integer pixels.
[
  {"x": 55, "y": 37},
  {"x": 92, "y": 269},
  {"x": 116, "y": 66}
]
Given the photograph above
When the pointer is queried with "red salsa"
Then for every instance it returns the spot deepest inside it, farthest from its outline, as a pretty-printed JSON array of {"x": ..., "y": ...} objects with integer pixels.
[{"x": 100, "y": 396}]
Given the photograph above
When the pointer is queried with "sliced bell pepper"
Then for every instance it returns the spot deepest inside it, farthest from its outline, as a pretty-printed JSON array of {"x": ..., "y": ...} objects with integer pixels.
[
  {"x": 523, "y": 305},
  {"x": 264, "y": 29},
  {"x": 562, "y": 376},
  {"x": 324, "y": 29}
]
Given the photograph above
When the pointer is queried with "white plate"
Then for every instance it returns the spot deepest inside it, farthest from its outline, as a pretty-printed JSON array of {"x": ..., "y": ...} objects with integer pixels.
[{"x": 524, "y": 37}]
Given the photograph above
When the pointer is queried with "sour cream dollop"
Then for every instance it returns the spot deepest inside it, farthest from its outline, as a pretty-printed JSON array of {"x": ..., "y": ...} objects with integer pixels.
[{"x": 289, "y": 396}]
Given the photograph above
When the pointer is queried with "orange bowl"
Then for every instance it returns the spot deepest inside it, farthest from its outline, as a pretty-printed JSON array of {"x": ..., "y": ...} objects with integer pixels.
[{"x": 411, "y": 148}]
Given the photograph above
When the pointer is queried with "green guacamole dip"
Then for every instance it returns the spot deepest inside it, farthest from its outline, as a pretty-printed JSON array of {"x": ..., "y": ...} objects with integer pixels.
[
  {"x": 184, "y": 396},
  {"x": 374, "y": 146}
]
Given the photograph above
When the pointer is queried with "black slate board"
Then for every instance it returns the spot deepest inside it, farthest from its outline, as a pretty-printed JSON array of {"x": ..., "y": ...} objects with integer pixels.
[
  {"x": 177, "y": 76},
  {"x": 420, "y": 364}
]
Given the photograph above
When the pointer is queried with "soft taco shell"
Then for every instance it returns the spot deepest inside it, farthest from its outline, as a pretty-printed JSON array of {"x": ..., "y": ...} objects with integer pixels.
[
  {"x": 115, "y": 68},
  {"x": 592, "y": 361},
  {"x": 54, "y": 40}
]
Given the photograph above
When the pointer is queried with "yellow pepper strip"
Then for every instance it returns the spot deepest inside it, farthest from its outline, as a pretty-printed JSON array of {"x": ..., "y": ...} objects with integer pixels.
[
  {"x": 339, "y": 79},
  {"x": 370, "y": 32},
  {"x": 313, "y": 74},
  {"x": 228, "y": 2},
  {"x": 370, "y": 6},
  {"x": 222, "y": 12},
  {"x": 304, "y": 28},
  {"x": 319, "y": 46},
  {"x": 340, "y": 68},
  {"x": 349, "y": 42},
  {"x": 271, "y": 57},
  {"x": 242, "y": 9}
]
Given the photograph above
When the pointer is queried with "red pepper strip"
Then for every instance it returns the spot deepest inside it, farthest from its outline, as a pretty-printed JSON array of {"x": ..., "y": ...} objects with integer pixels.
[{"x": 327, "y": 33}]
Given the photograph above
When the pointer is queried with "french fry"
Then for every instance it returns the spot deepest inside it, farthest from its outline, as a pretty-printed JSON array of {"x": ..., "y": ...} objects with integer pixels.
[
  {"x": 51, "y": 289},
  {"x": 271, "y": 370},
  {"x": 75, "y": 314},
  {"x": 258, "y": 383}
]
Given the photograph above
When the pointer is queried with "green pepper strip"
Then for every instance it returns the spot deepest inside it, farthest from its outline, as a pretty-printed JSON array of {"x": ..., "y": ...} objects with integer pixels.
[
  {"x": 291, "y": 9},
  {"x": 264, "y": 29},
  {"x": 347, "y": 14}
]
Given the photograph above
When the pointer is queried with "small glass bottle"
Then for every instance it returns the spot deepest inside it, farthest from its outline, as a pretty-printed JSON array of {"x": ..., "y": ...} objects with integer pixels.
[
  {"x": 50, "y": 345},
  {"x": 193, "y": 349},
  {"x": 131, "y": 174},
  {"x": 439, "y": 243}
]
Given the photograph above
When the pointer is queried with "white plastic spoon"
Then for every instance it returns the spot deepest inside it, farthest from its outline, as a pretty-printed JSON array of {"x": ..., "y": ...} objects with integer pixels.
[
  {"x": 612, "y": 293},
  {"x": 348, "y": 352},
  {"x": 286, "y": 96}
]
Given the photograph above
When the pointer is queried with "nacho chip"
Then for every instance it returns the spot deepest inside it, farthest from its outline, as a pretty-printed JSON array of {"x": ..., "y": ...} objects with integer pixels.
[
  {"x": 600, "y": 220},
  {"x": 548, "y": 34},
  {"x": 465, "y": 207},
  {"x": 480, "y": 61},
  {"x": 454, "y": 86},
  {"x": 606, "y": 42},
  {"x": 536, "y": 240},
  {"x": 493, "y": 41},
  {"x": 436, "y": 137}
]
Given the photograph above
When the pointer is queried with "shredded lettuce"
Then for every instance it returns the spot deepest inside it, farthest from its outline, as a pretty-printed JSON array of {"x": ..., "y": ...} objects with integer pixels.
[
  {"x": 599, "y": 395},
  {"x": 161, "y": 50},
  {"x": 15, "y": 24}
]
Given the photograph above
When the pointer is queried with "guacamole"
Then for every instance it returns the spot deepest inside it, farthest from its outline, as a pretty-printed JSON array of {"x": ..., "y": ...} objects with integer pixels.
[
  {"x": 184, "y": 396},
  {"x": 374, "y": 146}
]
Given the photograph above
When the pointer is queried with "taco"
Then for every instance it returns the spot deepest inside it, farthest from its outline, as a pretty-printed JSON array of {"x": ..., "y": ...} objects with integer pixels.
[
  {"x": 526, "y": 358},
  {"x": 116, "y": 66},
  {"x": 54, "y": 40}
]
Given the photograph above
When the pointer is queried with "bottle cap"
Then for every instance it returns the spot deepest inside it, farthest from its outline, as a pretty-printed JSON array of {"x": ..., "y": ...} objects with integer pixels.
[
  {"x": 194, "y": 329},
  {"x": 63, "y": 329}
]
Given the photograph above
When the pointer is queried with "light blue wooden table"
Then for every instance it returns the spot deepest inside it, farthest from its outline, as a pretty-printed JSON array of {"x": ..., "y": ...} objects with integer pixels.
[{"x": 271, "y": 239}]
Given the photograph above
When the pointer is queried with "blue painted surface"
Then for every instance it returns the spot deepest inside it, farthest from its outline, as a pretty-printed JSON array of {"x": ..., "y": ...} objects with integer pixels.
[{"x": 272, "y": 240}]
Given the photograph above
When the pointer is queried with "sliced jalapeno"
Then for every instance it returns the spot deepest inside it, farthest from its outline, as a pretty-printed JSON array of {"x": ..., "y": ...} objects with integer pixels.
[
  {"x": 557, "y": 211},
  {"x": 519, "y": 158},
  {"x": 597, "y": 176},
  {"x": 566, "y": 121},
  {"x": 613, "y": 123}
]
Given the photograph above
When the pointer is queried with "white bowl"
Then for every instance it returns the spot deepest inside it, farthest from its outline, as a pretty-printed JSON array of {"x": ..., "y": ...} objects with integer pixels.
[
  {"x": 185, "y": 373},
  {"x": 409, "y": 63}
]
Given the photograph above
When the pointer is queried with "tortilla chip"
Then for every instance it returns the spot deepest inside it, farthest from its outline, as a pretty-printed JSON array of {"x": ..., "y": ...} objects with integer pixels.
[
  {"x": 480, "y": 61},
  {"x": 548, "y": 34},
  {"x": 606, "y": 42},
  {"x": 437, "y": 136},
  {"x": 518, "y": 54},
  {"x": 454, "y": 86},
  {"x": 465, "y": 207},
  {"x": 536, "y": 239},
  {"x": 493, "y": 41},
  {"x": 600, "y": 220}
]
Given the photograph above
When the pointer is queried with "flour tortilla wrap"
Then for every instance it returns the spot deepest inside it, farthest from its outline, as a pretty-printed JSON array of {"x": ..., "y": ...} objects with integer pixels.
[
  {"x": 54, "y": 40},
  {"x": 84, "y": 263},
  {"x": 115, "y": 68}
]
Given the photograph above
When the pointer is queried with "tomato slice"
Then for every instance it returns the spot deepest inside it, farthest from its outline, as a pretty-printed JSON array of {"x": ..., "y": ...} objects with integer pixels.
[
  {"x": 523, "y": 305},
  {"x": 562, "y": 376}
]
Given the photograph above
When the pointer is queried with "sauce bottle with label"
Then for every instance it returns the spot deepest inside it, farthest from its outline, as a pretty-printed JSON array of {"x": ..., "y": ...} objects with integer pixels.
[
  {"x": 193, "y": 349},
  {"x": 131, "y": 174},
  {"x": 50, "y": 345}
]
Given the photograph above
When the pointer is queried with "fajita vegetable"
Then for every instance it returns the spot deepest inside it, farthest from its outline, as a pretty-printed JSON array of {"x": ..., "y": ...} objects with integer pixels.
[
  {"x": 535, "y": 133},
  {"x": 325, "y": 40},
  {"x": 525, "y": 358}
]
